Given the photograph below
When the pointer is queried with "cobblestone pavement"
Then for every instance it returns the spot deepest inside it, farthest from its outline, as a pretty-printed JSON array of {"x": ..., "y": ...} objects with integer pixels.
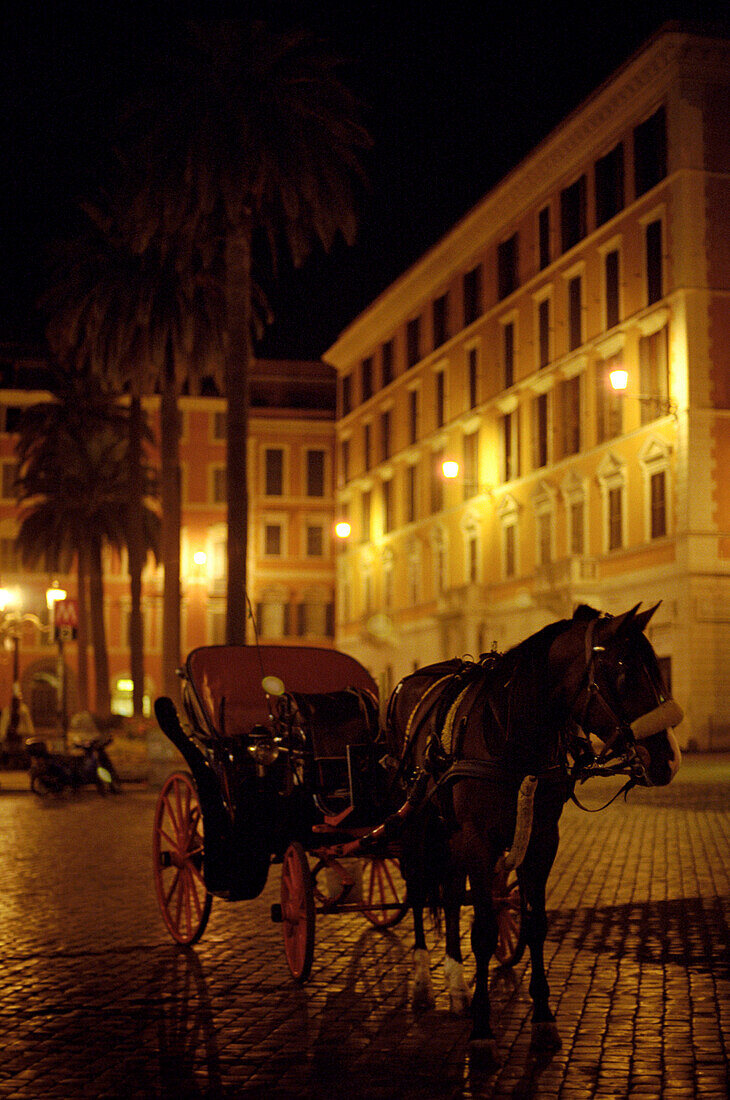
[{"x": 96, "y": 1002}]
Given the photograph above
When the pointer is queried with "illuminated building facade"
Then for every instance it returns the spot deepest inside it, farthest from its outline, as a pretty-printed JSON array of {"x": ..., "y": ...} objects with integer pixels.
[
  {"x": 606, "y": 250},
  {"x": 290, "y": 549}
]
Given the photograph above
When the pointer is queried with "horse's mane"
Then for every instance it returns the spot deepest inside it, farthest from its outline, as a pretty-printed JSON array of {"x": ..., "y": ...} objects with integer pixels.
[{"x": 529, "y": 710}]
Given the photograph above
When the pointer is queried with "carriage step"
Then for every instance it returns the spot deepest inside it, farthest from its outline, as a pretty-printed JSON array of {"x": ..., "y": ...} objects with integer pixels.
[{"x": 276, "y": 914}]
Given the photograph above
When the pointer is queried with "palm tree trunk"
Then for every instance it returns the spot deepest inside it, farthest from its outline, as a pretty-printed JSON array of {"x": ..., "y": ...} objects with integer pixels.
[
  {"x": 102, "y": 694},
  {"x": 82, "y": 630},
  {"x": 135, "y": 553},
  {"x": 237, "y": 372},
  {"x": 170, "y": 533}
]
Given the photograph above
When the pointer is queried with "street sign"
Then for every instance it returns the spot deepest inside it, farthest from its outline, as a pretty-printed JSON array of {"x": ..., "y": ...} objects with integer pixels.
[{"x": 65, "y": 619}]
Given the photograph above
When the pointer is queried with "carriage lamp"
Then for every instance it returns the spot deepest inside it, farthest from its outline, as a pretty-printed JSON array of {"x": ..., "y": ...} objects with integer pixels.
[
  {"x": 342, "y": 529},
  {"x": 262, "y": 746}
]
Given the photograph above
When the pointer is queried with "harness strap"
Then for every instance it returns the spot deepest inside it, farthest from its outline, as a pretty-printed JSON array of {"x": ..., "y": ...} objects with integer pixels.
[{"x": 623, "y": 790}]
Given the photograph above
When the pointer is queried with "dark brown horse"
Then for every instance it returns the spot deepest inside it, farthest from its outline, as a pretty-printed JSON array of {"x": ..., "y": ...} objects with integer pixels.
[{"x": 477, "y": 729}]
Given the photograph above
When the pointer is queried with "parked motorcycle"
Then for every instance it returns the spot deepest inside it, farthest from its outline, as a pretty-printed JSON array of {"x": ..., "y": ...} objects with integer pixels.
[{"x": 56, "y": 772}]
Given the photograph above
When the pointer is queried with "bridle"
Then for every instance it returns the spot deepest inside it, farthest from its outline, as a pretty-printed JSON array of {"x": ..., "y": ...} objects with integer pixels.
[{"x": 619, "y": 754}]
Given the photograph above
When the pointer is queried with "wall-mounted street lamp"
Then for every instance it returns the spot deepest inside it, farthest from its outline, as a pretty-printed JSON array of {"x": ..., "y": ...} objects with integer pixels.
[
  {"x": 619, "y": 379},
  {"x": 343, "y": 529},
  {"x": 451, "y": 471}
]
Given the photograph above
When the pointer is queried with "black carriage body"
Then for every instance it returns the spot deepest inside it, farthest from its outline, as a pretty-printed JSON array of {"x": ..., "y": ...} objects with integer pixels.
[{"x": 252, "y": 812}]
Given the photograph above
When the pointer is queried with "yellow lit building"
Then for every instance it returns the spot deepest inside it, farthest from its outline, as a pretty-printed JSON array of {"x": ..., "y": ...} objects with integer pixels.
[{"x": 606, "y": 250}]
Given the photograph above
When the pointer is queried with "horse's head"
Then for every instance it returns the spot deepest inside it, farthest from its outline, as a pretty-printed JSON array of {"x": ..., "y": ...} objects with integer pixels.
[{"x": 615, "y": 691}]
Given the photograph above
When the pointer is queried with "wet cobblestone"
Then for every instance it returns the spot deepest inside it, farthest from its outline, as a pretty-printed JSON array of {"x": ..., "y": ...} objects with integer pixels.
[{"x": 97, "y": 1002}]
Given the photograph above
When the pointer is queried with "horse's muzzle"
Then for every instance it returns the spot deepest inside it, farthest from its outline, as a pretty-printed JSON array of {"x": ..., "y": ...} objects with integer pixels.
[{"x": 656, "y": 744}]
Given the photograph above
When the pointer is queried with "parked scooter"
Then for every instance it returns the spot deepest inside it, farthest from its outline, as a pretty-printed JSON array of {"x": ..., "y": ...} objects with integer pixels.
[{"x": 56, "y": 772}]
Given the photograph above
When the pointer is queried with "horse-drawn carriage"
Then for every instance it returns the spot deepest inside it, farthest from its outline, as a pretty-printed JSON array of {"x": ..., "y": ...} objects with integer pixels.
[{"x": 289, "y": 765}]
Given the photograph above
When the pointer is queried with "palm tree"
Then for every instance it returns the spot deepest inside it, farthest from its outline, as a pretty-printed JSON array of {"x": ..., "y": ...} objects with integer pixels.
[
  {"x": 148, "y": 314},
  {"x": 247, "y": 134},
  {"x": 72, "y": 487}
]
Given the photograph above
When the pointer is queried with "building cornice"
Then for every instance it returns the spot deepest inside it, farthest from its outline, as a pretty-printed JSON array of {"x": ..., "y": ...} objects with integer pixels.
[{"x": 589, "y": 131}]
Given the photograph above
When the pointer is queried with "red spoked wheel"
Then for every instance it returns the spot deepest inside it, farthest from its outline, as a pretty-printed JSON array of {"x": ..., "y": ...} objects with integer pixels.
[
  {"x": 297, "y": 912},
  {"x": 178, "y": 847},
  {"x": 509, "y": 911},
  {"x": 383, "y": 885}
]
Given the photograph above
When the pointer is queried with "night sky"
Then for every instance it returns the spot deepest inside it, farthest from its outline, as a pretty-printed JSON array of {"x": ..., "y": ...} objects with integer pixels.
[{"x": 454, "y": 97}]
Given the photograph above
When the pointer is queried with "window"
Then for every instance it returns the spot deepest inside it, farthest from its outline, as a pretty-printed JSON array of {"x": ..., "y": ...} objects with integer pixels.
[
  {"x": 540, "y": 449},
  {"x": 576, "y": 513},
  {"x": 573, "y": 214},
  {"x": 365, "y": 514},
  {"x": 411, "y": 493},
  {"x": 366, "y": 378},
  {"x": 544, "y": 538},
  {"x": 387, "y": 362},
  {"x": 575, "y": 313},
  {"x": 219, "y": 425},
  {"x": 440, "y": 399},
  {"x": 315, "y": 473},
  {"x": 440, "y": 320},
  {"x": 385, "y": 440},
  {"x": 510, "y": 549},
  {"x": 9, "y": 556},
  {"x": 10, "y": 474},
  {"x": 570, "y": 415},
  {"x": 437, "y": 481},
  {"x": 609, "y": 180},
  {"x": 654, "y": 282},
  {"x": 413, "y": 341},
  {"x": 387, "y": 489},
  {"x": 219, "y": 484},
  {"x": 472, "y": 368},
  {"x": 510, "y": 446},
  {"x": 315, "y": 540},
  {"x": 543, "y": 332},
  {"x": 413, "y": 411},
  {"x": 507, "y": 267},
  {"x": 274, "y": 472},
  {"x": 615, "y": 517},
  {"x": 367, "y": 445},
  {"x": 611, "y": 274},
  {"x": 315, "y": 617},
  {"x": 543, "y": 232},
  {"x": 274, "y": 616},
  {"x": 472, "y": 289},
  {"x": 508, "y": 353},
  {"x": 471, "y": 464},
  {"x": 658, "y": 504},
  {"x": 345, "y": 459},
  {"x": 650, "y": 152},
  {"x": 609, "y": 402},
  {"x": 346, "y": 394},
  {"x": 272, "y": 540},
  {"x": 654, "y": 375}
]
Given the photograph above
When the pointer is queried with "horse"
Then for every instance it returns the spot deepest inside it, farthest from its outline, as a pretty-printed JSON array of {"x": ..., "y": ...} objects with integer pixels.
[{"x": 473, "y": 733}]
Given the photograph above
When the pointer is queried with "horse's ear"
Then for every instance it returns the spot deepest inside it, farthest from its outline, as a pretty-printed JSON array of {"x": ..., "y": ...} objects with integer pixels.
[
  {"x": 612, "y": 627},
  {"x": 583, "y": 613},
  {"x": 642, "y": 620}
]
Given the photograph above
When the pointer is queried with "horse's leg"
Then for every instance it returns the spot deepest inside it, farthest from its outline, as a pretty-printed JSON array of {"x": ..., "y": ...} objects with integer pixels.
[
  {"x": 533, "y": 876},
  {"x": 453, "y": 968},
  {"x": 484, "y": 936},
  {"x": 422, "y": 987}
]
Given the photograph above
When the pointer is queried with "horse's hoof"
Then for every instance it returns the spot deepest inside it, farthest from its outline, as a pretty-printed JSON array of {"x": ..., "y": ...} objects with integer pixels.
[
  {"x": 545, "y": 1036},
  {"x": 484, "y": 1055}
]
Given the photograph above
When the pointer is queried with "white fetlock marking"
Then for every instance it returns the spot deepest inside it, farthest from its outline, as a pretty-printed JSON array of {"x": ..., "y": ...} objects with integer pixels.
[
  {"x": 422, "y": 989},
  {"x": 456, "y": 986}
]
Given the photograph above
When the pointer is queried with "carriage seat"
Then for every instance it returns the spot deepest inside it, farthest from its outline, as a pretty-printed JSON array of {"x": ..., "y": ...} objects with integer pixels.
[{"x": 226, "y": 697}]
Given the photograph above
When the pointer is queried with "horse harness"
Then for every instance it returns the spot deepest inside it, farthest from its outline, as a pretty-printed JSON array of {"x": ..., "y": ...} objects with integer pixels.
[{"x": 445, "y": 767}]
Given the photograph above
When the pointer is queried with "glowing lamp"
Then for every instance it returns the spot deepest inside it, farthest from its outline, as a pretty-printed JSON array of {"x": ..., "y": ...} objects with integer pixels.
[
  {"x": 343, "y": 529},
  {"x": 200, "y": 557},
  {"x": 54, "y": 594},
  {"x": 450, "y": 469},
  {"x": 619, "y": 379}
]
